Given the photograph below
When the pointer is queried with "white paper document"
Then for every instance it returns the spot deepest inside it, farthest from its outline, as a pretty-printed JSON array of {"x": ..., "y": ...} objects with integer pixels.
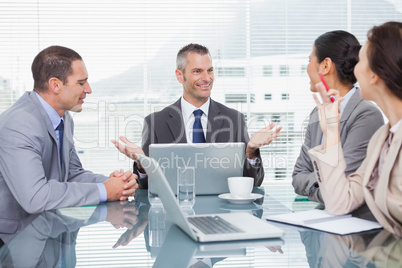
[{"x": 323, "y": 221}]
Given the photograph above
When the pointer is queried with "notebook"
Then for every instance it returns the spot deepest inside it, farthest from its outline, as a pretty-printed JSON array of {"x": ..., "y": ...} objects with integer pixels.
[
  {"x": 245, "y": 226},
  {"x": 323, "y": 221},
  {"x": 213, "y": 162}
]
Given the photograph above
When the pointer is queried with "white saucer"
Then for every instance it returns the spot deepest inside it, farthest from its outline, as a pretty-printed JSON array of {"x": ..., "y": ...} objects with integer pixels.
[
  {"x": 240, "y": 201},
  {"x": 242, "y": 207}
]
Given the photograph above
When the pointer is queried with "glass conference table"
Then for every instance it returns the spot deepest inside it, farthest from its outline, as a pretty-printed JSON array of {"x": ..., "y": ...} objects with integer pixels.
[{"x": 136, "y": 234}]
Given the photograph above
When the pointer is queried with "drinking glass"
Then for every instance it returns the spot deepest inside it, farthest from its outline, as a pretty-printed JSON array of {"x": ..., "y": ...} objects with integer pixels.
[{"x": 186, "y": 186}]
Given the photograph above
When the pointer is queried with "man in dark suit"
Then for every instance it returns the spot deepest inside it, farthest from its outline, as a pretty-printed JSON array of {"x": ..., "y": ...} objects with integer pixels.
[{"x": 174, "y": 124}]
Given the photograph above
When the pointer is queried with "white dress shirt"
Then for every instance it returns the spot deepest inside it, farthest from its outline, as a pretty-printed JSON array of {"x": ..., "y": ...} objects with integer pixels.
[{"x": 187, "y": 110}]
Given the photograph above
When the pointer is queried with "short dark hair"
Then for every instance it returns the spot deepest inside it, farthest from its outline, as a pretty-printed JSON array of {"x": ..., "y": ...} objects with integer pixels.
[
  {"x": 384, "y": 54},
  {"x": 343, "y": 49},
  {"x": 181, "y": 59},
  {"x": 54, "y": 61}
]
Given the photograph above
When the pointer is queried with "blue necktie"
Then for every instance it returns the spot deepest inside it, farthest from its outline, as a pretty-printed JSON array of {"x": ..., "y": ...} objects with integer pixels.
[
  {"x": 60, "y": 128},
  {"x": 198, "y": 133}
]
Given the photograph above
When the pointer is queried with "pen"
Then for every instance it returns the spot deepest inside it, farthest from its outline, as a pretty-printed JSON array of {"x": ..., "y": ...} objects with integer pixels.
[{"x": 326, "y": 86}]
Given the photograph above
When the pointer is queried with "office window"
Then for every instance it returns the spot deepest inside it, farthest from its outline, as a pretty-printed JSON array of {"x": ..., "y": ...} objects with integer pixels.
[
  {"x": 129, "y": 48},
  {"x": 239, "y": 98},
  {"x": 284, "y": 70},
  {"x": 276, "y": 118},
  {"x": 267, "y": 70},
  {"x": 280, "y": 173},
  {"x": 231, "y": 71},
  {"x": 303, "y": 70}
]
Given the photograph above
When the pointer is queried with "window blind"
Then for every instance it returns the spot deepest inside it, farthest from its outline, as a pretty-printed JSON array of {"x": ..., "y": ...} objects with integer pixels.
[{"x": 259, "y": 48}]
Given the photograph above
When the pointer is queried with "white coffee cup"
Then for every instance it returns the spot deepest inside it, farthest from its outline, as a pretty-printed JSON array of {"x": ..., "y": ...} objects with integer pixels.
[{"x": 240, "y": 187}]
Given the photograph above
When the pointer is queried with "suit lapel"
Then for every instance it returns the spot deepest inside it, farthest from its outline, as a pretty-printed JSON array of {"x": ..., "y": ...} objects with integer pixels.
[
  {"x": 44, "y": 116},
  {"x": 214, "y": 121},
  {"x": 354, "y": 100},
  {"x": 316, "y": 129},
  {"x": 376, "y": 202},
  {"x": 49, "y": 127},
  {"x": 176, "y": 124},
  {"x": 375, "y": 154},
  {"x": 389, "y": 162}
]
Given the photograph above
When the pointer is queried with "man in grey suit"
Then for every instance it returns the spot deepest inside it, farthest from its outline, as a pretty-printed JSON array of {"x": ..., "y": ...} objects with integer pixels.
[
  {"x": 174, "y": 124},
  {"x": 36, "y": 173}
]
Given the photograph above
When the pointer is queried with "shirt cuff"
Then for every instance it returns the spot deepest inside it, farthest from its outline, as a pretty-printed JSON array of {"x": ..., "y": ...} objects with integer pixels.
[
  {"x": 102, "y": 192},
  {"x": 252, "y": 161}
]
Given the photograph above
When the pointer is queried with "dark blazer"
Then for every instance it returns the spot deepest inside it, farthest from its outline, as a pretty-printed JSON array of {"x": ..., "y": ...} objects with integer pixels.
[
  {"x": 224, "y": 125},
  {"x": 359, "y": 121},
  {"x": 31, "y": 177}
]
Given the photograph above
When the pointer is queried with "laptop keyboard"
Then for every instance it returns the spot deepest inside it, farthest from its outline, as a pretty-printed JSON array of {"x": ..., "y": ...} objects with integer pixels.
[{"x": 213, "y": 225}]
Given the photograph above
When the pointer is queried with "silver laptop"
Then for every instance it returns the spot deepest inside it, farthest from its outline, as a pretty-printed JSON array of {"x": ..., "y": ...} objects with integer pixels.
[
  {"x": 237, "y": 226},
  {"x": 213, "y": 162}
]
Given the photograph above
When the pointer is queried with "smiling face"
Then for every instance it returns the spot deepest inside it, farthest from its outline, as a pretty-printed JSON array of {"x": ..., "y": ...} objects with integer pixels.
[
  {"x": 75, "y": 90},
  {"x": 312, "y": 70},
  {"x": 197, "y": 78}
]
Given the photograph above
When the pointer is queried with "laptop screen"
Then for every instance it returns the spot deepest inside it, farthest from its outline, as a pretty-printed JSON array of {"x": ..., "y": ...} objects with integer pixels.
[{"x": 213, "y": 163}]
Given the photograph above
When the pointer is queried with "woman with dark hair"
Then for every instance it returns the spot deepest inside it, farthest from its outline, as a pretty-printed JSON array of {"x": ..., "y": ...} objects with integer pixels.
[
  {"x": 378, "y": 181},
  {"x": 335, "y": 55}
]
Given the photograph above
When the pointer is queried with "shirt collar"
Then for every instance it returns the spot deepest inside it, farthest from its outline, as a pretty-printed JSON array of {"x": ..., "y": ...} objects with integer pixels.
[
  {"x": 395, "y": 128},
  {"x": 187, "y": 108},
  {"x": 51, "y": 112},
  {"x": 346, "y": 99}
]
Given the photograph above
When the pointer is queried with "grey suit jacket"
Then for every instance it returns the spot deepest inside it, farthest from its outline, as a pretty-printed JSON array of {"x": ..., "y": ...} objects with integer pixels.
[
  {"x": 224, "y": 125},
  {"x": 31, "y": 177},
  {"x": 45, "y": 239},
  {"x": 359, "y": 121}
]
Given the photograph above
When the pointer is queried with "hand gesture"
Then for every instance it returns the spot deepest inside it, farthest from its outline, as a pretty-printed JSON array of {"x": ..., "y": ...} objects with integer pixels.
[
  {"x": 328, "y": 113},
  {"x": 128, "y": 148},
  {"x": 261, "y": 138}
]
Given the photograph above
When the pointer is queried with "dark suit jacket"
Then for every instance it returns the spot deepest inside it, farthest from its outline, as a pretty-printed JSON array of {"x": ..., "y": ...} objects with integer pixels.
[{"x": 224, "y": 125}]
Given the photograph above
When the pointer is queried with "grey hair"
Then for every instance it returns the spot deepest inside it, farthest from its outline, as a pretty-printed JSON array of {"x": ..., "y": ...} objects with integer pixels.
[{"x": 181, "y": 60}]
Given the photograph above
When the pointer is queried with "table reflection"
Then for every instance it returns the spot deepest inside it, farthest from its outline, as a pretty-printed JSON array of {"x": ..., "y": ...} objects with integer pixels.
[
  {"x": 136, "y": 234},
  {"x": 369, "y": 249},
  {"x": 49, "y": 239}
]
